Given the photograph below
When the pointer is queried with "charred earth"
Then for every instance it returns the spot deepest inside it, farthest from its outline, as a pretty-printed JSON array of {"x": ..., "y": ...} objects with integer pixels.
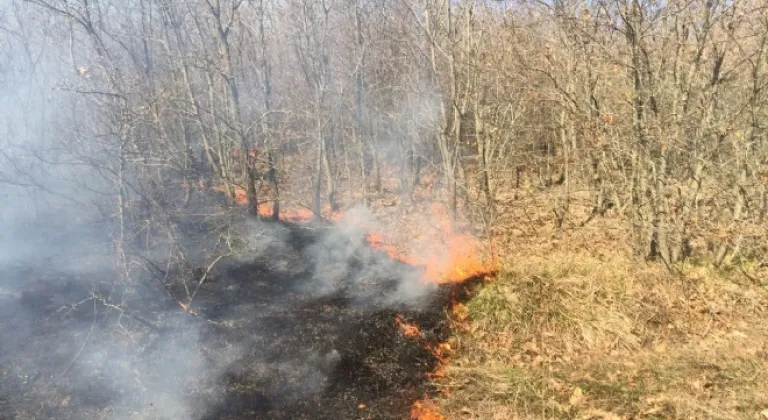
[{"x": 303, "y": 327}]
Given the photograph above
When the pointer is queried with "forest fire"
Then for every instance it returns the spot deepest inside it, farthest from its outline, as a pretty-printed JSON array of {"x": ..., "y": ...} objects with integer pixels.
[
  {"x": 451, "y": 258},
  {"x": 444, "y": 255},
  {"x": 293, "y": 215},
  {"x": 297, "y": 215},
  {"x": 425, "y": 410},
  {"x": 409, "y": 329}
]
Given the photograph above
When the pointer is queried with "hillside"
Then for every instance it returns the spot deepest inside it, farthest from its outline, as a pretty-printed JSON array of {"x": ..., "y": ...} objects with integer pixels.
[{"x": 575, "y": 328}]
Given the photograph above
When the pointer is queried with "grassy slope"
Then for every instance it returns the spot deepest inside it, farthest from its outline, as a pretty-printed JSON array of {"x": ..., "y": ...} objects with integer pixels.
[{"x": 574, "y": 329}]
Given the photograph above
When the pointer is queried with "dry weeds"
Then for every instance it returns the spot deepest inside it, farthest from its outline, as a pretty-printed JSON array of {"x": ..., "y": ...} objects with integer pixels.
[{"x": 576, "y": 329}]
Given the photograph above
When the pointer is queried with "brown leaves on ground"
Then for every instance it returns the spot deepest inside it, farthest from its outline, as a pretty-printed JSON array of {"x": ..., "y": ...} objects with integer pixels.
[{"x": 584, "y": 335}]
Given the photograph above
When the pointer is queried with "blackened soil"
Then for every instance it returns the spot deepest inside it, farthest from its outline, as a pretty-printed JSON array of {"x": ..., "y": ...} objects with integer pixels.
[{"x": 272, "y": 337}]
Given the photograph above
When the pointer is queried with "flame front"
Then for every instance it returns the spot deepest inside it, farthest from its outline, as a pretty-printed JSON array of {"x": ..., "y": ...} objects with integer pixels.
[
  {"x": 444, "y": 254},
  {"x": 425, "y": 410},
  {"x": 409, "y": 329},
  {"x": 241, "y": 197},
  {"x": 295, "y": 215}
]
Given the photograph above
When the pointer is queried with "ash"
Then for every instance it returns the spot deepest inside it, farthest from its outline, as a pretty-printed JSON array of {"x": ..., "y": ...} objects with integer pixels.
[{"x": 302, "y": 326}]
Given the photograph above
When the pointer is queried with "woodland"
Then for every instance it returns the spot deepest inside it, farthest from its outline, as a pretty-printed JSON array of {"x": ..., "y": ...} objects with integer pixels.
[{"x": 521, "y": 140}]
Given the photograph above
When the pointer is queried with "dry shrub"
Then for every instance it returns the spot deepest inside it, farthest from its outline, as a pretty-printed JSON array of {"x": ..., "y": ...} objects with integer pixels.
[{"x": 578, "y": 336}]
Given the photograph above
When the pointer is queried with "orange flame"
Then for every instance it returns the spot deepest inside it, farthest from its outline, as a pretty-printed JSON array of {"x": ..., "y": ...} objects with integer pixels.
[
  {"x": 445, "y": 255},
  {"x": 409, "y": 329},
  {"x": 289, "y": 215},
  {"x": 298, "y": 215},
  {"x": 241, "y": 197},
  {"x": 425, "y": 410},
  {"x": 441, "y": 352},
  {"x": 454, "y": 258}
]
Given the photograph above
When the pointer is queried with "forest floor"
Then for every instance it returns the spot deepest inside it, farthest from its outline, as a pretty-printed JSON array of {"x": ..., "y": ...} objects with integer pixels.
[
  {"x": 264, "y": 340},
  {"x": 575, "y": 328}
]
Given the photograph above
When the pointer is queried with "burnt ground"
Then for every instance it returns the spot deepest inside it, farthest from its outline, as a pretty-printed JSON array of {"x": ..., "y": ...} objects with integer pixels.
[{"x": 291, "y": 332}]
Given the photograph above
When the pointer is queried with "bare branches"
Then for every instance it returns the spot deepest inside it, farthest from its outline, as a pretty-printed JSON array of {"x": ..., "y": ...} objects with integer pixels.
[{"x": 653, "y": 111}]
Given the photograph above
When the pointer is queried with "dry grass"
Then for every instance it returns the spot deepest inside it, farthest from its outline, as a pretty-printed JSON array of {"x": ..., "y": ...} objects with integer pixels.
[{"x": 586, "y": 335}]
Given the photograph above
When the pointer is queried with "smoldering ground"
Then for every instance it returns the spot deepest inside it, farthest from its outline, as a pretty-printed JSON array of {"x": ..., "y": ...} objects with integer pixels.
[{"x": 298, "y": 325}]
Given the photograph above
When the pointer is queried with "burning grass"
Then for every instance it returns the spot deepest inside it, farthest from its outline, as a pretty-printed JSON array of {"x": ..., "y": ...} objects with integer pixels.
[
  {"x": 576, "y": 336},
  {"x": 429, "y": 241}
]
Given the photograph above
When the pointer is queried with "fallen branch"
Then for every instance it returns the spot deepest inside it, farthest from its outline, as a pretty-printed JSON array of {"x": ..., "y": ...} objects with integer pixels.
[{"x": 188, "y": 306}]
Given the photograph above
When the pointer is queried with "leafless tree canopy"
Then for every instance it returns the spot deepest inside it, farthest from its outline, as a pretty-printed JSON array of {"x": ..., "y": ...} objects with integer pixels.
[{"x": 162, "y": 113}]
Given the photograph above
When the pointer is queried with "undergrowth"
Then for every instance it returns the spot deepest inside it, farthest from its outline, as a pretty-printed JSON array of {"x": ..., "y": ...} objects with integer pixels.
[{"x": 571, "y": 335}]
